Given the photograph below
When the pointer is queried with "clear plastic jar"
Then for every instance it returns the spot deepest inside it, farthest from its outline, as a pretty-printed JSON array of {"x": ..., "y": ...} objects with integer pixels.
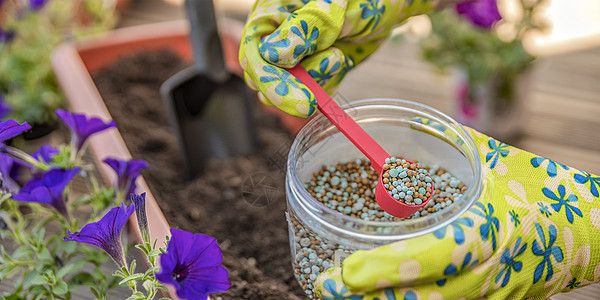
[{"x": 320, "y": 237}]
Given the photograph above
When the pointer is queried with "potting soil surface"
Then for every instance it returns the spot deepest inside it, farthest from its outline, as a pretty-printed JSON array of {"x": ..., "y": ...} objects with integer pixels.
[{"x": 240, "y": 201}]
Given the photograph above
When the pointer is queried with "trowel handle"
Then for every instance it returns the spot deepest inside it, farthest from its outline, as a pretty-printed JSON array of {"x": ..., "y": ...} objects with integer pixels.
[{"x": 208, "y": 54}]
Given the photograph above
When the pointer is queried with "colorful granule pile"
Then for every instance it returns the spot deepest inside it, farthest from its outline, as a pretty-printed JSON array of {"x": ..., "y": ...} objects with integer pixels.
[
  {"x": 406, "y": 181},
  {"x": 349, "y": 188}
]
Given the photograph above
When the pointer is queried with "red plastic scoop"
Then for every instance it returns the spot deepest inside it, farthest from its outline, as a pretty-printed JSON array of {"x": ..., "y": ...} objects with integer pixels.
[{"x": 361, "y": 139}]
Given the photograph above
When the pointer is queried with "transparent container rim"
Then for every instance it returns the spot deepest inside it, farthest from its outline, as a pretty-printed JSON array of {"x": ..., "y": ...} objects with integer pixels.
[{"x": 475, "y": 188}]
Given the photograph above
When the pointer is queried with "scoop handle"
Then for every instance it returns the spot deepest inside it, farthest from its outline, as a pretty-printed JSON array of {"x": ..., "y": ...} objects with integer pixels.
[
  {"x": 204, "y": 35},
  {"x": 356, "y": 134}
]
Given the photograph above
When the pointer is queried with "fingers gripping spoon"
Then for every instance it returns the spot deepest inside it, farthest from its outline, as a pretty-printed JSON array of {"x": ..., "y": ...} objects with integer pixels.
[{"x": 363, "y": 141}]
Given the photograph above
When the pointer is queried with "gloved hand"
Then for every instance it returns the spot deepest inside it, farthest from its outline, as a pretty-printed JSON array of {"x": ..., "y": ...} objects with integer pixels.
[
  {"x": 534, "y": 232},
  {"x": 328, "y": 37}
]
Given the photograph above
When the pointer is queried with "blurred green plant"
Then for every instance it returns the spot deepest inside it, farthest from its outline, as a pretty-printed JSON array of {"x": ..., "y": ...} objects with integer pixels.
[
  {"x": 29, "y": 31},
  {"x": 484, "y": 50}
]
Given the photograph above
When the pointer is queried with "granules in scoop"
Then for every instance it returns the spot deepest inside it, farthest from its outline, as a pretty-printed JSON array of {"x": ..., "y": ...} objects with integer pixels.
[{"x": 407, "y": 182}]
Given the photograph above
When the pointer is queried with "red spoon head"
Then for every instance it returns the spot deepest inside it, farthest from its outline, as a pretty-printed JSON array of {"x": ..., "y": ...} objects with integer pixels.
[{"x": 393, "y": 206}]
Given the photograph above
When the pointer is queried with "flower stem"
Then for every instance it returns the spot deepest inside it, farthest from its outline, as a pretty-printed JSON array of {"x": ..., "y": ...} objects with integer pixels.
[{"x": 18, "y": 154}]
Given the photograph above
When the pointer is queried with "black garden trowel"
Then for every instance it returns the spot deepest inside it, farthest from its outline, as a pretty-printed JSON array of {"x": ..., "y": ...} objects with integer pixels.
[{"x": 210, "y": 108}]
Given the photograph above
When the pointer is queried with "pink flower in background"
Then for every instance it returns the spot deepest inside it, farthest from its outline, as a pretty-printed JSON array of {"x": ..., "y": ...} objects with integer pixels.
[{"x": 482, "y": 13}]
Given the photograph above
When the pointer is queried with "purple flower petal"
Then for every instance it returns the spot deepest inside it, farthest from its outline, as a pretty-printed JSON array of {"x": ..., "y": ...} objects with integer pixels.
[
  {"x": 45, "y": 153},
  {"x": 7, "y": 166},
  {"x": 37, "y": 4},
  {"x": 10, "y": 129},
  {"x": 106, "y": 233},
  {"x": 482, "y": 13},
  {"x": 192, "y": 264},
  {"x": 127, "y": 172},
  {"x": 139, "y": 201},
  {"x": 6, "y": 35},
  {"x": 48, "y": 189},
  {"x": 81, "y": 126}
]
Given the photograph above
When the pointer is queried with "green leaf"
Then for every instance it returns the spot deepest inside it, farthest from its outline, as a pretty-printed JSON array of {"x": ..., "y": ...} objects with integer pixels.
[
  {"x": 60, "y": 288},
  {"x": 39, "y": 290},
  {"x": 44, "y": 254},
  {"x": 148, "y": 285},
  {"x": 82, "y": 278},
  {"x": 69, "y": 247},
  {"x": 14, "y": 296},
  {"x": 136, "y": 276},
  {"x": 21, "y": 251},
  {"x": 151, "y": 271},
  {"x": 99, "y": 274},
  {"x": 33, "y": 277},
  {"x": 132, "y": 266},
  {"x": 40, "y": 236},
  {"x": 155, "y": 252},
  {"x": 95, "y": 292},
  {"x": 137, "y": 296},
  {"x": 143, "y": 248},
  {"x": 110, "y": 283},
  {"x": 69, "y": 268}
]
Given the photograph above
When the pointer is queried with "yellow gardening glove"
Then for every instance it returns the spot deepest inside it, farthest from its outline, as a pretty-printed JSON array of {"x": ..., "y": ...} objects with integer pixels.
[
  {"x": 535, "y": 232},
  {"x": 328, "y": 37}
]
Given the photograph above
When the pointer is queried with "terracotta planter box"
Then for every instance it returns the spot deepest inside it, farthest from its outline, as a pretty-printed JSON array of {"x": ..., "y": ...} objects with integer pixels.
[{"x": 74, "y": 62}]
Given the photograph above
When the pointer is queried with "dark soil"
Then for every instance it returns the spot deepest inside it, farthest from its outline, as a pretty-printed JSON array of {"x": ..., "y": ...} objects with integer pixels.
[{"x": 253, "y": 234}]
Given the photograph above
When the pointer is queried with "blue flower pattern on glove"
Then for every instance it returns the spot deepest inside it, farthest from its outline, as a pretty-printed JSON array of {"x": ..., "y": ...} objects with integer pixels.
[
  {"x": 284, "y": 78},
  {"x": 371, "y": 10},
  {"x": 510, "y": 263},
  {"x": 489, "y": 229},
  {"x": 287, "y": 8},
  {"x": 389, "y": 294},
  {"x": 323, "y": 74},
  {"x": 410, "y": 295},
  {"x": 459, "y": 234},
  {"x": 552, "y": 165},
  {"x": 268, "y": 49},
  {"x": 573, "y": 283},
  {"x": 594, "y": 181},
  {"x": 451, "y": 269},
  {"x": 546, "y": 252},
  {"x": 498, "y": 149},
  {"x": 544, "y": 209},
  {"x": 348, "y": 65},
  {"x": 310, "y": 44},
  {"x": 343, "y": 294},
  {"x": 514, "y": 217},
  {"x": 560, "y": 197}
]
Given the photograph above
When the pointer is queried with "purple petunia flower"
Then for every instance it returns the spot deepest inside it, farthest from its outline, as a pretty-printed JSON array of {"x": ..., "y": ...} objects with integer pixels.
[
  {"x": 139, "y": 201},
  {"x": 5, "y": 107},
  {"x": 192, "y": 264},
  {"x": 7, "y": 165},
  {"x": 106, "y": 233},
  {"x": 482, "y": 13},
  {"x": 37, "y": 4},
  {"x": 10, "y": 129},
  {"x": 48, "y": 189},
  {"x": 127, "y": 172},
  {"x": 45, "y": 153},
  {"x": 81, "y": 126},
  {"x": 6, "y": 36}
]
